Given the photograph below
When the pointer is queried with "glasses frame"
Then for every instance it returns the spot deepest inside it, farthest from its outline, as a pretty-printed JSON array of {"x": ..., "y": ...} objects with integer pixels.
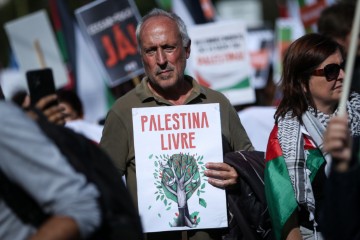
[{"x": 323, "y": 72}]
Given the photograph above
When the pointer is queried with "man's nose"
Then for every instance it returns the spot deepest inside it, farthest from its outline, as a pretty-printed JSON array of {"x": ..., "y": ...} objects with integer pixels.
[{"x": 160, "y": 57}]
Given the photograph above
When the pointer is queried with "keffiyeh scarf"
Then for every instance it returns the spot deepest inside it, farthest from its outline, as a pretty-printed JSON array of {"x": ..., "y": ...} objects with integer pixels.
[{"x": 291, "y": 140}]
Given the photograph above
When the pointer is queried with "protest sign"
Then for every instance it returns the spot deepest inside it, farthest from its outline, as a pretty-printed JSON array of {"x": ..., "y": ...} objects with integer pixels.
[
  {"x": 220, "y": 59},
  {"x": 109, "y": 26},
  {"x": 172, "y": 146},
  {"x": 33, "y": 42},
  {"x": 260, "y": 43}
]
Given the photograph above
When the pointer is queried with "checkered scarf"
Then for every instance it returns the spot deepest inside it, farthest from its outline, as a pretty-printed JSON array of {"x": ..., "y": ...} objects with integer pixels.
[{"x": 290, "y": 135}]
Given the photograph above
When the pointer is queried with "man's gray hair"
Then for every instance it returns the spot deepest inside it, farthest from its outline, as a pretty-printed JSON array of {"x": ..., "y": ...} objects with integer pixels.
[{"x": 159, "y": 12}]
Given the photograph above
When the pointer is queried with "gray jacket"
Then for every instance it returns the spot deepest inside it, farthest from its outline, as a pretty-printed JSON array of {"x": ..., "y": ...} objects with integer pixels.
[{"x": 32, "y": 161}]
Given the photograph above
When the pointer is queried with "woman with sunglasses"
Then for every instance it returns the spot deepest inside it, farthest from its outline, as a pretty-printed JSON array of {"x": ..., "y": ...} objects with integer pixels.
[{"x": 296, "y": 165}]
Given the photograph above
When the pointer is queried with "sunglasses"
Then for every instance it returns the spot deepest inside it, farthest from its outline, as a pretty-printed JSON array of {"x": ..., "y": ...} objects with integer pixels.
[{"x": 330, "y": 71}]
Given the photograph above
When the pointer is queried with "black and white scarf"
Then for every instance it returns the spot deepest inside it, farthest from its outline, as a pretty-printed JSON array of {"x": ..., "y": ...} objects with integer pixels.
[{"x": 290, "y": 135}]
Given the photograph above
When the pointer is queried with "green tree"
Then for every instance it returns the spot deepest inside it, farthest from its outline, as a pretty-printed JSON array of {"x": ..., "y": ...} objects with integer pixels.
[{"x": 180, "y": 179}]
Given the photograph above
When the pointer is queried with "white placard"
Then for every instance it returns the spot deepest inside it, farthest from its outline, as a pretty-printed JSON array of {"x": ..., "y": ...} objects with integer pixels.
[
  {"x": 24, "y": 33},
  {"x": 172, "y": 146},
  {"x": 220, "y": 59}
]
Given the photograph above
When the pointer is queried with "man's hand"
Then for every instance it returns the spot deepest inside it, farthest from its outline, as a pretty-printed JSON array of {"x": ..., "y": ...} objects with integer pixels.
[
  {"x": 58, "y": 228},
  {"x": 337, "y": 142},
  {"x": 54, "y": 113},
  {"x": 221, "y": 174}
]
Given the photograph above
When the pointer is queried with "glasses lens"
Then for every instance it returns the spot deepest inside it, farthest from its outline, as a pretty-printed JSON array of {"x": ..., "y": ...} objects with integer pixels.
[{"x": 332, "y": 71}]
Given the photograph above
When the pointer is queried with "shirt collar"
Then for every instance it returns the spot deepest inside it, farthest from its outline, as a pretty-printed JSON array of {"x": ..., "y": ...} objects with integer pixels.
[{"x": 145, "y": 94}]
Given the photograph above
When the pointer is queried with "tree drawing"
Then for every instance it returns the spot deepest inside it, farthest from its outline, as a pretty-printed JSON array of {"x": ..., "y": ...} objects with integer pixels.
[
  {"x": 179, "y": 180},
  {"x": 177, "y": 177}
]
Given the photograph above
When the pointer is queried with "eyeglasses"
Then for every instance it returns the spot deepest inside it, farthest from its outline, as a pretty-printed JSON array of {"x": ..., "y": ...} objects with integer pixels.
[{"x": 330, "y": 71}]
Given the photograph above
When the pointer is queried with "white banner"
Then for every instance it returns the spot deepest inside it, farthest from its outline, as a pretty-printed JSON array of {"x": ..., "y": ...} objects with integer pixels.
[
  {"x": 33, "y": 42},
  {"x": 220, "y": 59},
  {"x": 172, "y": 146}
]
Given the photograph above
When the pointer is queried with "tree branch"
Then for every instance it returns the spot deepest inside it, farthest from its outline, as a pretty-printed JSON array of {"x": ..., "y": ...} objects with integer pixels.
[{"x": 170, "y": 189}]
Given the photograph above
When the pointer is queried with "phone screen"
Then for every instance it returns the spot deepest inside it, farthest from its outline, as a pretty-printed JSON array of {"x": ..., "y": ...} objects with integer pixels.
[{"x": 41, "y": 84}]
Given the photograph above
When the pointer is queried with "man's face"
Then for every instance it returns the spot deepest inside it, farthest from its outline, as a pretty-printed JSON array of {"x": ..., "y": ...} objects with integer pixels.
[{"x": 162, "y": 52}]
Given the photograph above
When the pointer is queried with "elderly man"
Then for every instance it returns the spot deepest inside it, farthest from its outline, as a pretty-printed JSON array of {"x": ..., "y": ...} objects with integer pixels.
[{"x": 165, "y": 47}]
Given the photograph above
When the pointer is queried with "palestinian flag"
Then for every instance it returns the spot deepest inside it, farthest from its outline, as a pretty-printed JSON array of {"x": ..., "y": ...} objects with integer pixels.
[
  {"x": 64, "y": 30},
  {"x": 279, "y": 191}
]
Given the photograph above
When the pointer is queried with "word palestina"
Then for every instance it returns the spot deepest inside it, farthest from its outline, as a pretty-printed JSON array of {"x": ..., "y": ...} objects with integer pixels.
[{"x": 175, "y": 121}]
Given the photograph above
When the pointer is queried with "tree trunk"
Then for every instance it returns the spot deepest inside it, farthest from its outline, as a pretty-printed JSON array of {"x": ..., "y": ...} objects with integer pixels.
[{"x": 184, "y": 217}]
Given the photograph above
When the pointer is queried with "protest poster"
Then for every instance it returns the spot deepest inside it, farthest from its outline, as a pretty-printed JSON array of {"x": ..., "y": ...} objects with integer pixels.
[
  {"x": 260, "y": 44},
  {"x": 109, "y": 27},
  {"x": 172, "y": 146},
  {"x": 33, "y": 42},
  {"x": 220, "y": 59}
]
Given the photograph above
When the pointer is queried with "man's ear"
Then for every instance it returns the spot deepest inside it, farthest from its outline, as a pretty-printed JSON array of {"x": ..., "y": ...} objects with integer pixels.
[{"x": 188, "y": 50}]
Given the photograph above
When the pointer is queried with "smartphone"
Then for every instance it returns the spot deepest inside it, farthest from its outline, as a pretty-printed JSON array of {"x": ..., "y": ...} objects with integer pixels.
[{"x": 40, "y": 83}]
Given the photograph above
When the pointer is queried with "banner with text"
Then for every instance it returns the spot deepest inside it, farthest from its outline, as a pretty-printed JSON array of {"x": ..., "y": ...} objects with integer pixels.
[
  {"x": 110, "y": 27},
  {"x": 172, "y": 147},
  {"x": 220, "y": 59}
]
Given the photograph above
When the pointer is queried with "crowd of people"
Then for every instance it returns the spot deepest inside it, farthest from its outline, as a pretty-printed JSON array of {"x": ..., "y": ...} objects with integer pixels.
[{"x": 312, "y": 157}]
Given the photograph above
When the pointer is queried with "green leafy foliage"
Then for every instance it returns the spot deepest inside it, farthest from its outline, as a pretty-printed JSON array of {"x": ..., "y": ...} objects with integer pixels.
[
  {"x": 202, "y": 202},
  {"x": 184, "y": 167},
  {"x": 195, "y": 217}
]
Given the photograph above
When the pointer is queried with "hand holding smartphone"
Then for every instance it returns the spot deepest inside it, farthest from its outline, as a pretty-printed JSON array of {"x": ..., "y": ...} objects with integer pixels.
[{"x": 41, "y": 84}]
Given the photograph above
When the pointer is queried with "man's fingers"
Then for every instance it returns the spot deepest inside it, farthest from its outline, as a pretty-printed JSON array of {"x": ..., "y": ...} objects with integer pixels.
[
  {"x": 217, "y": 183},
  {"x": 55, "y": 114},
  {"x": 41, "y": 104},
  {"x": 221, "y": 174},
  {"x": 220, "y": 166}
]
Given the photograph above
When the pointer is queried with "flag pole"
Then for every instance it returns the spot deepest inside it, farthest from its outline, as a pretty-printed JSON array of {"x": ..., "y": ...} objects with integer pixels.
[
  {"x": 350, "y": 61},
  {"x": 39, "y": 53}
]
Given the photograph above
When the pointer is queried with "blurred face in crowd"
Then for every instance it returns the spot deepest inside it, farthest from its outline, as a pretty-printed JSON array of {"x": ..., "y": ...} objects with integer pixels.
[
  {"x": 345, "y": 42},
  {"x": 326, "y": 88},
  {"x": 163, "y": 54}
]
